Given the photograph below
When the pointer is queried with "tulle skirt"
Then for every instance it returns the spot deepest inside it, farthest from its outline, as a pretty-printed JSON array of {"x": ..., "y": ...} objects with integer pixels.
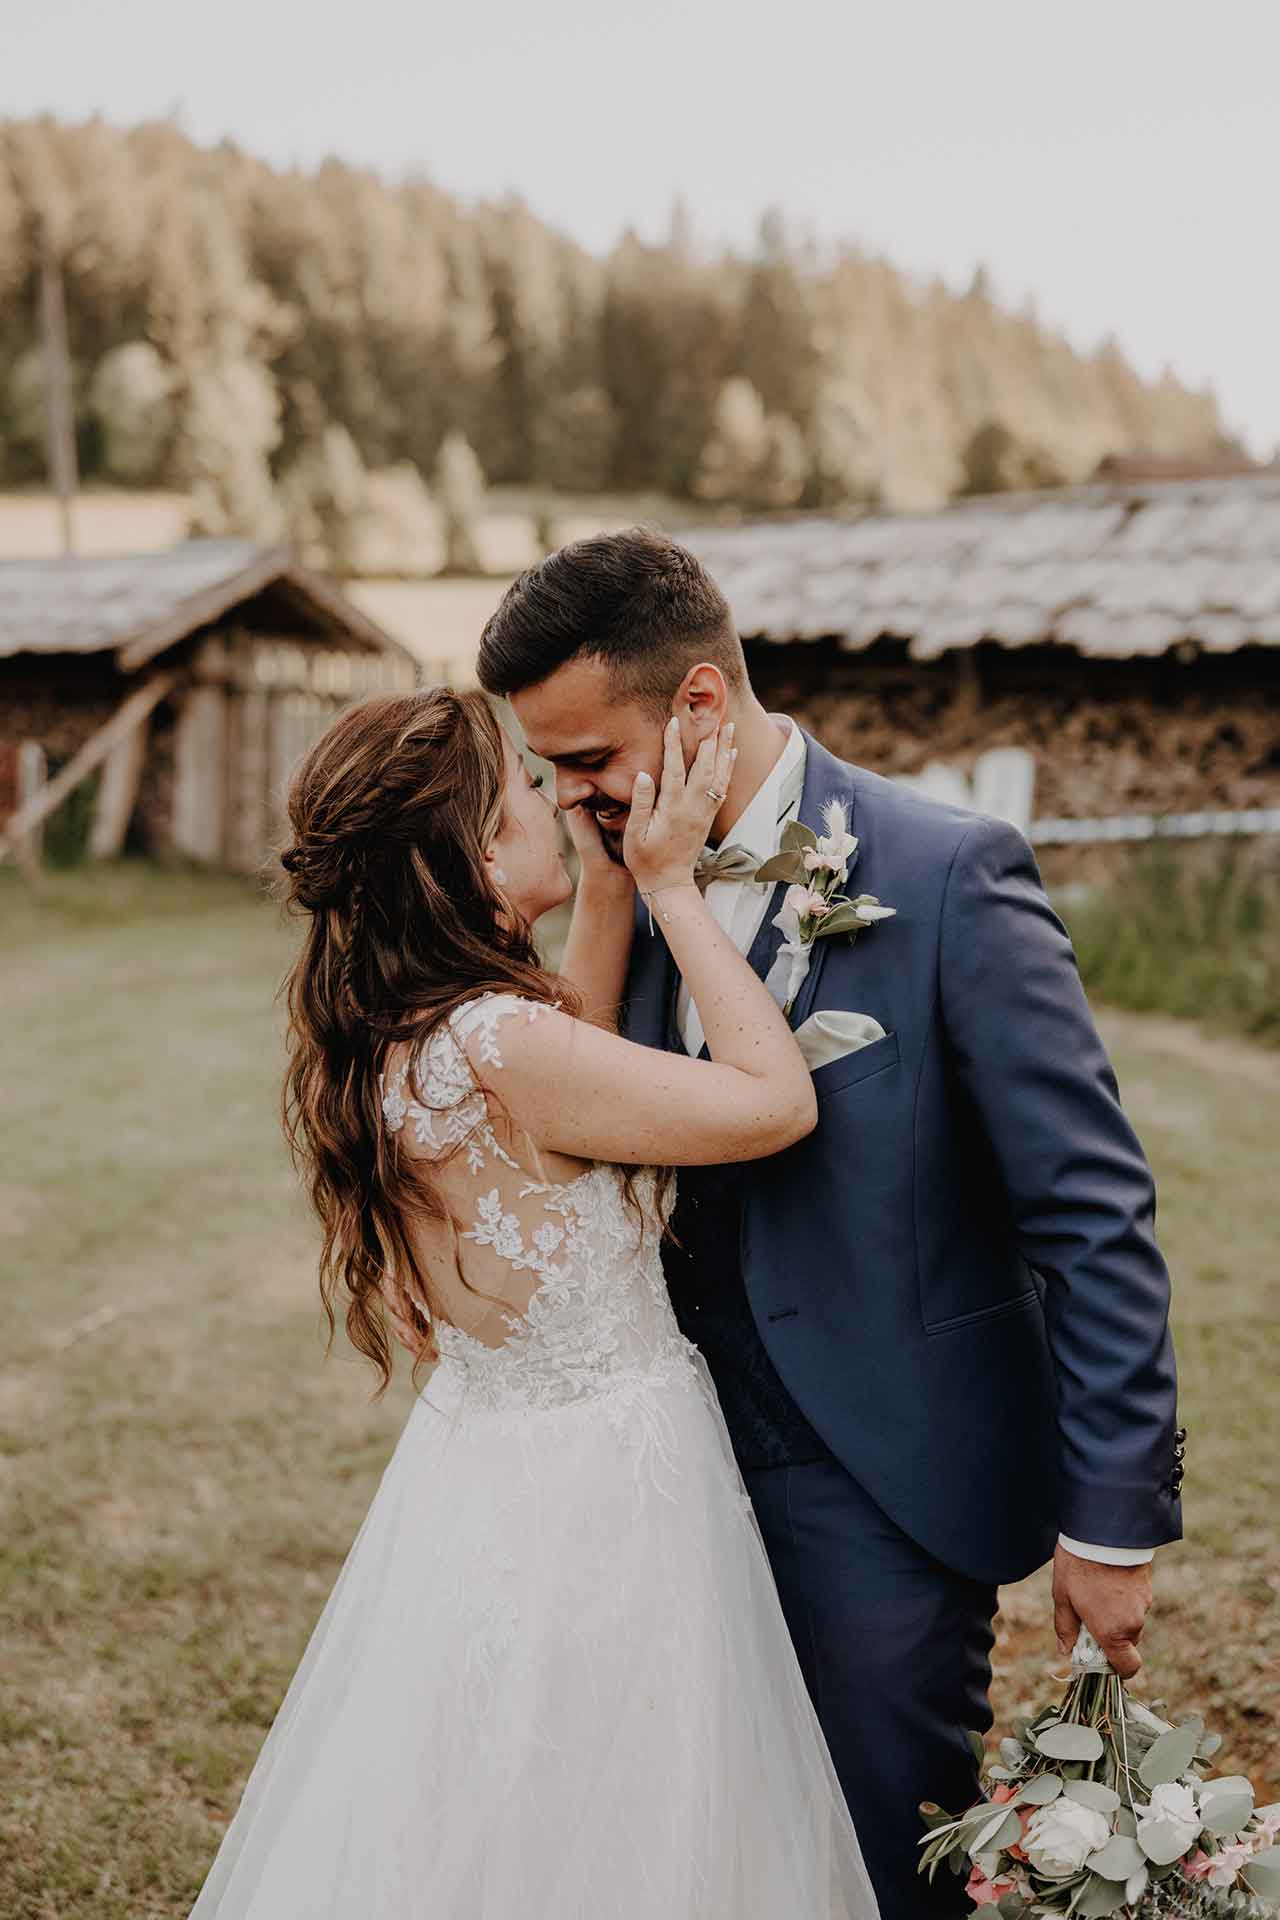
[{"x": 552, "y": 1682}]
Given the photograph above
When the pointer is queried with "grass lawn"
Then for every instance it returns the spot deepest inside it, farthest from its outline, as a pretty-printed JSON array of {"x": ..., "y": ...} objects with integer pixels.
[{"x": 181, "y": 1475}]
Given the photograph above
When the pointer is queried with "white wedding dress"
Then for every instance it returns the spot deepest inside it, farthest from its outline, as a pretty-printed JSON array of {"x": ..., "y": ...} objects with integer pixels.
[{"x": 553, "y": 1680}]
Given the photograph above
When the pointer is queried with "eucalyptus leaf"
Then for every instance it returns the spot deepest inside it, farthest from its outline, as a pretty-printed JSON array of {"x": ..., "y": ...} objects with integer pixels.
[
  {"x": 1208, "y": 1746},
  {"x": 1162, "y": 1842},
  {"x": 1040, "y": 1791},
  {"x": 1012, "y": 1752},
  {"x": 1226, "y": 1804},
  {"x": 1141, "y": 1716},
  {"x": 788, "y": 867},
  {"x": 1100, "y": 1897},
  {"x": 1092, "y": 1793},
  {"x": 1003, "y": 1830},
  {"x": 1068, "y": 1740},
  {"x": 1125, "y": 1822},
  {"x": 1118, "y": 1859},
  {"x": 1232, "y": 1783},
  {"x": 1263, "y": 1874},
  {"x": 1169, "y": 1756},
  {"x": 839, "y": 920},
  {"x": 1011, "y": 1907},
  {"x": 977, "y": 1747},
  {"x": 797, "y": 838}
]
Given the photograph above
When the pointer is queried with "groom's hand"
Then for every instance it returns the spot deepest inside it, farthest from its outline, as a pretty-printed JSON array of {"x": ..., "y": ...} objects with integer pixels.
[{"x": 1113, "y": 1603}]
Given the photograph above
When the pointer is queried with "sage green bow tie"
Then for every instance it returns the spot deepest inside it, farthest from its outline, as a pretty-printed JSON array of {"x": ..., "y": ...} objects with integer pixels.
[{"x": 726, "y": 863}]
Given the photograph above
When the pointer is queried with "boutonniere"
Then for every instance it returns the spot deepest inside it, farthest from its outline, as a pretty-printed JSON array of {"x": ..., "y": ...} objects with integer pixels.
[{"x": 814, "y": 906}]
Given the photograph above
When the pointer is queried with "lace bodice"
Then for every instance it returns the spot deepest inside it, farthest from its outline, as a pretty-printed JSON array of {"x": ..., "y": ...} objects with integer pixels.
[{"x": 597, "y": 1315}]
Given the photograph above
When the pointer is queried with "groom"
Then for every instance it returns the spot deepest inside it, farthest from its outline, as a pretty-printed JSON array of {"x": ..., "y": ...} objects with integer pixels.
[{"x": 939, "y": 1325}]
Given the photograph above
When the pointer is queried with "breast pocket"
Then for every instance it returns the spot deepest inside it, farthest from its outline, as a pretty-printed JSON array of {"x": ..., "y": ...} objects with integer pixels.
[{"x": 862, "y": 1064}]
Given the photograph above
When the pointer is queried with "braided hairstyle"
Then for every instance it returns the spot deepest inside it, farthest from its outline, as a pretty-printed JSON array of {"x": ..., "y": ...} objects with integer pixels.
[{"x": 392, "y": 810}]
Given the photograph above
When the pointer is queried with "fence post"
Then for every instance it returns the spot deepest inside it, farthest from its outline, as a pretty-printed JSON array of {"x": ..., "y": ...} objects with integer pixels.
[{"x": 33, "y": 777}]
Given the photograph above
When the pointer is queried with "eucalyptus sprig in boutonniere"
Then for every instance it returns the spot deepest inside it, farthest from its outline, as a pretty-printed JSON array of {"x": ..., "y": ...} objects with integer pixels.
[{"x": 814, "y": 907}]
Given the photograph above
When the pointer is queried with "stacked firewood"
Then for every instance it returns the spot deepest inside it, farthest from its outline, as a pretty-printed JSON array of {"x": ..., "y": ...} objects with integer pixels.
[{"x": 1099, "y": 750}]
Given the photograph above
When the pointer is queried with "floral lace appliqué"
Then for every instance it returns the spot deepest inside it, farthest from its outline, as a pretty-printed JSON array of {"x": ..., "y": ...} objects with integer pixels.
[
  {"x": 447, "y": 1108},
  {"x": 599, "y": 1320}
]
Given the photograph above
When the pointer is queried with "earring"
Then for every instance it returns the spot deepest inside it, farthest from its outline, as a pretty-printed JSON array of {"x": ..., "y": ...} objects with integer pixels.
[{"x": 499, "y": 877}]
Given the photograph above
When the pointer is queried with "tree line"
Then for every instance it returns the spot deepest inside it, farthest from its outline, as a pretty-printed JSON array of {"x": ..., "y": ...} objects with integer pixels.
[{"x": 327, "y": 353}]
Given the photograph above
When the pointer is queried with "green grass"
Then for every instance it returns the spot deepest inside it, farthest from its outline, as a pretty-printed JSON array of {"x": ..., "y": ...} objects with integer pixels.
[
  {"x": 181, "y": 1473},
  {"x": 1196, "y": 934}
]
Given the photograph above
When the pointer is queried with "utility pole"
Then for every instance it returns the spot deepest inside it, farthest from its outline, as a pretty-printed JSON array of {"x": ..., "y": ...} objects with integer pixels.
[{"x": 60, "y": 433}]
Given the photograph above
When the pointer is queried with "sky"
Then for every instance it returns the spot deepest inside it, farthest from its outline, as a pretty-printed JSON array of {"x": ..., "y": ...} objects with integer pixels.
[{"x": 1117, "y": 163}]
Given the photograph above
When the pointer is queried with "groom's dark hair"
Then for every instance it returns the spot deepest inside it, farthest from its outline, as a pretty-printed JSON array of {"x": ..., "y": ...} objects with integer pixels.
[{"x": 636, "y": 600}]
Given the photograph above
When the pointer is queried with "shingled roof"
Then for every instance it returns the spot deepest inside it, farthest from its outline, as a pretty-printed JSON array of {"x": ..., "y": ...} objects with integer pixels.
[
  {"x": 137, "y": 605},
  {"x": 1112, "y": 571}
]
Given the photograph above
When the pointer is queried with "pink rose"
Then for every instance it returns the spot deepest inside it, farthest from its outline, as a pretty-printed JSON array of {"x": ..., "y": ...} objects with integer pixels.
[
  {"x": 1219, "y": 1869},
  {"x": 984, "y": 1892},
  {"x": 806, "y": 902}
]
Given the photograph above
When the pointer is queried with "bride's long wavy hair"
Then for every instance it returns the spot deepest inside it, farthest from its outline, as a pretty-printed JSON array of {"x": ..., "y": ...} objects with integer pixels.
[{"x": 391, "y": 811}]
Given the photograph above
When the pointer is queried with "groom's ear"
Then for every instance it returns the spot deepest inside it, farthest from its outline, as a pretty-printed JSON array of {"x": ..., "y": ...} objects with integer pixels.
[{"x": 701, "y": 701}]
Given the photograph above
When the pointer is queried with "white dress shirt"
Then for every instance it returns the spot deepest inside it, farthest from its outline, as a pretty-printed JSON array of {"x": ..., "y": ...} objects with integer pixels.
[{"x": 739, "y": 907}]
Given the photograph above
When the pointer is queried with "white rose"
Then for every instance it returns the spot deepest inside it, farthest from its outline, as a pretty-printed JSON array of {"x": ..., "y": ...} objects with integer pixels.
[
  {"x": 1174, "y": 1805},
  {"x": 1061, "y": 1836}
]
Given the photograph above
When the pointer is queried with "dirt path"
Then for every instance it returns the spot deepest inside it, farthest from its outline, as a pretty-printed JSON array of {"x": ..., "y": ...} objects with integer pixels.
[{"x": 1183, "y": 1040}]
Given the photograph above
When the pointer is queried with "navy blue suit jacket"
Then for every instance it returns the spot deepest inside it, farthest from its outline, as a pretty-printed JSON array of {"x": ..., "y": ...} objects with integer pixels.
[{"x": 956, "y": 1274}]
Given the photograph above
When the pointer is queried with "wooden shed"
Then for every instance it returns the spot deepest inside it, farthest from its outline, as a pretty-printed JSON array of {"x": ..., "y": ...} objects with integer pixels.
[
  {"x": 1126, "y": 635},
  {"x": 184, "y": 684}
]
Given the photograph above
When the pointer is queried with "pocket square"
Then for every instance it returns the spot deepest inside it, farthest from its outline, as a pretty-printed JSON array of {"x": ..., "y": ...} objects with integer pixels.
[{"x": 831, "y": 1033}]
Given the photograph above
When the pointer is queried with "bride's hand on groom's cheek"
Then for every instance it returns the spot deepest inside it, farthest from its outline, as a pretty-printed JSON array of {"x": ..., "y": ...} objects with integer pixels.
[
  {"x": 1112, "y": 1602},
  {"x": 595, "y": 863}
]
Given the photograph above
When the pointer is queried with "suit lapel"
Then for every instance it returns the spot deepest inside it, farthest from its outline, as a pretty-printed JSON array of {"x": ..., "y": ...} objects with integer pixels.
[
  {"x": 651, "y": 987},
  {"x": 654, "y": 983},
  {"x": 825, "y": 778}
]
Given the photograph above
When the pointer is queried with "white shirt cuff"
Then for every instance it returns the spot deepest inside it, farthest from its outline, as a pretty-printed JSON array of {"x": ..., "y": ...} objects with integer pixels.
[{"x": 1108, "y": 1556}]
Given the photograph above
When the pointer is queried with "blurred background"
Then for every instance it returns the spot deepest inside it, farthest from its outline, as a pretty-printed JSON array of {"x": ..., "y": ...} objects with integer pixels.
[{"x": 945, "y": 336}]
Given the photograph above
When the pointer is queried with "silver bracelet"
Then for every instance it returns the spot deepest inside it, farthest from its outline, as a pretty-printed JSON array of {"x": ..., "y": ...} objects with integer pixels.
[{"x": 652, "y": 895}]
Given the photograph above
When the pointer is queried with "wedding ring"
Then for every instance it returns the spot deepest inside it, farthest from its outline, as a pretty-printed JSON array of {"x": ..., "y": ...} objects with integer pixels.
[{"x": 714, "y": 793}]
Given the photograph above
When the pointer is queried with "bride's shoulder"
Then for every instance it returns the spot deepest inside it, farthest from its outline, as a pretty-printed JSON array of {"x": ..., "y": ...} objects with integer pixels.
[
  {"x": 491, "y": 1029},
  {"x": 477, "y": 1046}
]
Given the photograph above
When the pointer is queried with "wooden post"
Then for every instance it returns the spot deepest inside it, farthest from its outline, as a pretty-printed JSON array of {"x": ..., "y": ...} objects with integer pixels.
[
  {"x": 200, "y": 756},
  {"x": 33, "y": 777},
  {"x": 59, "y": 413},
  {"x": 95, "y": 750},
  {"x": 118, "y": 793},
  {"x": 249, "y": 829}
]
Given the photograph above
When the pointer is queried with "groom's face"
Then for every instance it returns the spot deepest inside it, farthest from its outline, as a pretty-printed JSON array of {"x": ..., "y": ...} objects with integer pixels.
[{"x": 596, "y": 743}]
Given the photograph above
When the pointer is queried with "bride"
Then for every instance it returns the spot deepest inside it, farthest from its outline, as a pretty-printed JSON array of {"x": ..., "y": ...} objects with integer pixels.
[{"x": 553, "y": 1680}]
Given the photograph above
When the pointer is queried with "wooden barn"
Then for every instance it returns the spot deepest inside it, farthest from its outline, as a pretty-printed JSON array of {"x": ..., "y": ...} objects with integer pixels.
[
  {"x": 167, "y": 696},
  {"x": 1126, "y": 635}
]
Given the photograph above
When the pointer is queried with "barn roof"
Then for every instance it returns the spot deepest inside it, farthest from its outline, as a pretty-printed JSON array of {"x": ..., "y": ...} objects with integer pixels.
[
  {"x": 1112, "y": 571},
  {"x": 138, "y": 605}
]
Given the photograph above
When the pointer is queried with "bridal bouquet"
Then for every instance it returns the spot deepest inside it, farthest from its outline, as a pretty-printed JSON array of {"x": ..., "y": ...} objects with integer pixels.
[{"x": 1099, "y": 1806}]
